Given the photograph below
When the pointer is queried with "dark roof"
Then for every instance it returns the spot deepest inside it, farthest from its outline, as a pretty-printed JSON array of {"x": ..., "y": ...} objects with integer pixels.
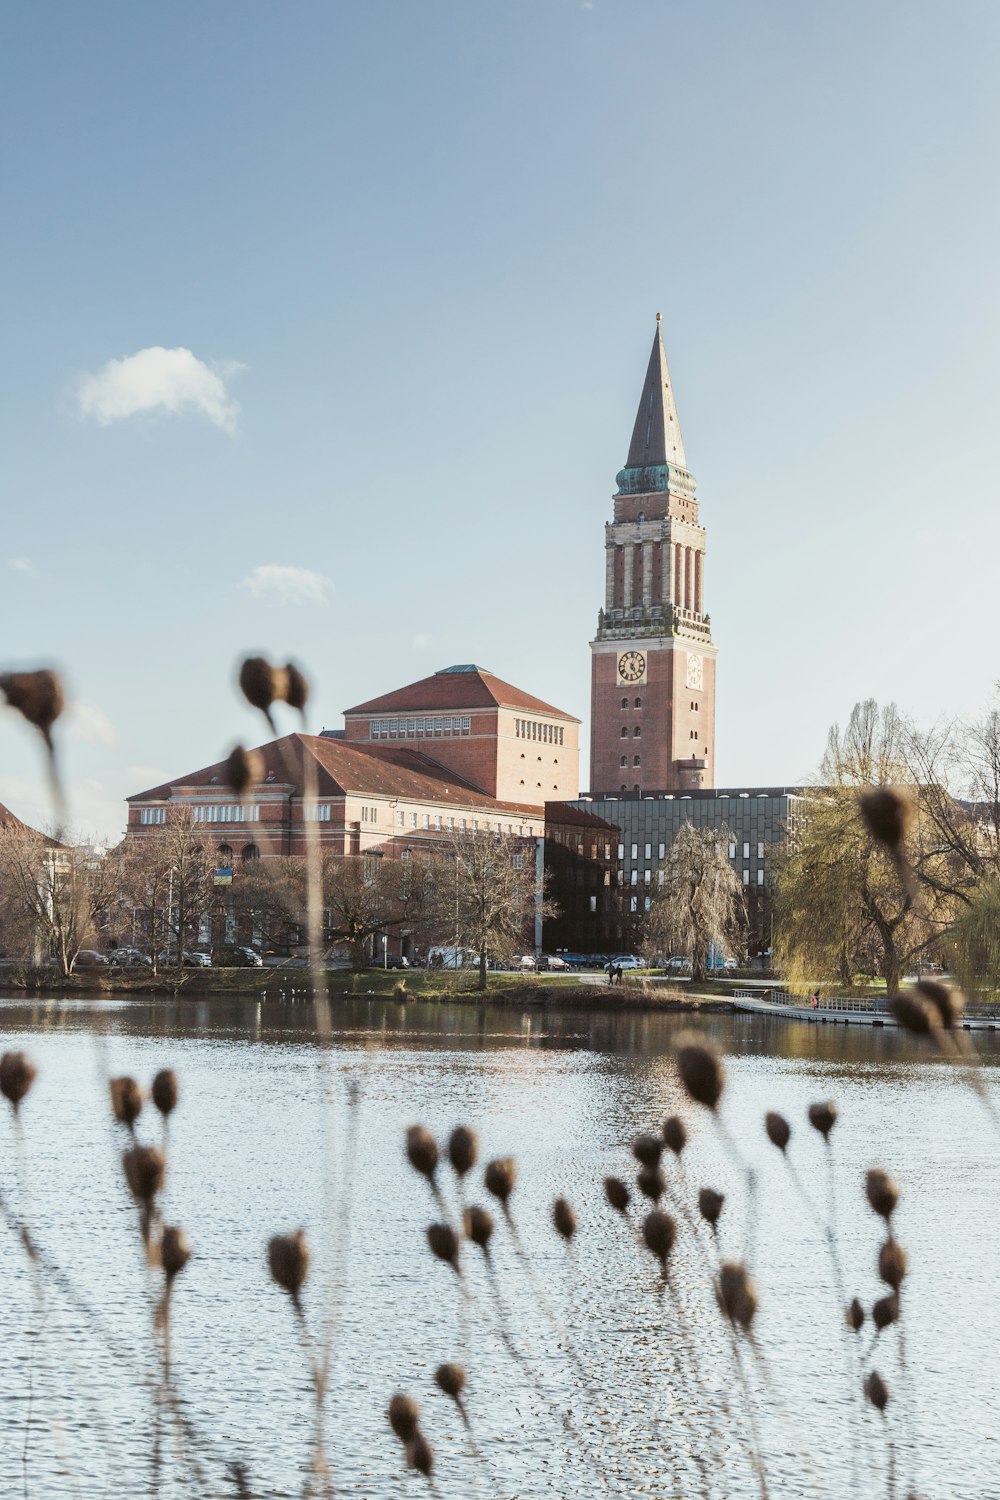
[
  {"x": 457, "y": 687},
  {"x": 565, "y": 815},
  {"x": 347, "y": 766},
  {"x": 656, "y": 436}
]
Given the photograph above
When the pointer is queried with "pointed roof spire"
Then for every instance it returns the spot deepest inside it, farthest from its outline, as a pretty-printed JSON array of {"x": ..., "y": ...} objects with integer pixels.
[{"x": 656, "y": 436}]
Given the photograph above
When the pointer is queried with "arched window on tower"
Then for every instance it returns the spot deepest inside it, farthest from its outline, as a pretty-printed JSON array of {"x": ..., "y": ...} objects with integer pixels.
[
  {"x": 624, "y": 731},
  {"x": 636, "y": 788},
  {"x": 623, "y": 761},
  {"x": 638, "y": 703},
  {"x": 637, "y": 732},
  {"x": 637, "y": 760},
  {"x": 624, "y": 703}
]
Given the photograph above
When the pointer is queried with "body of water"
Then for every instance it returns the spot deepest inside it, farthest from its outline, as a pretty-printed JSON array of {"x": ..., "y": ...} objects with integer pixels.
[{"x": 585, "y": 1377}]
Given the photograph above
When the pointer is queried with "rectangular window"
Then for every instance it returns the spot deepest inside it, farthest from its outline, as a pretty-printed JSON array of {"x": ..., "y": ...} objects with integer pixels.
[
  {"x": 746, "y": 851},
  {"x": 437, "y": 823},
  {"x": 232, "y": 813},
  {"x": 426, "y": 821},
  {"x": 466, "y": 725},
  {"x": 413, "y": 820},
  {"x": 746, "y": 877},
  {"x": 760, "y": 851},
  {"x": 647, "y": 903},
  {"x": 659, "y": 877},
  {"x": 634, "y": 878},
  {"x": 152, "y": 815},
  {"x": 593, "y": 904},
  {"x": 633, "y": 903},
  {"x": 663, "y": 850},
  {"x": 760, "y": 877},
  {"x": 451, "y": 825},
  {"x": 517, "y": 861},
  {"x": 621, "y": 851},
  {"x": 400, "y": 820},
  {"x": 649, "y": 851},
  {"x": 635, "y": 851},
  {"x": 318, "y": 812},
  {"x": 647, "y": 876},
  {"x": 732, "y": 851}
]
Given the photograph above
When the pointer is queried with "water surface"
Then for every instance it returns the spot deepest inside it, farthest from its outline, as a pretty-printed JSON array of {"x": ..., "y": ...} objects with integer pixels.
[{"x": 265, "y": 1140}]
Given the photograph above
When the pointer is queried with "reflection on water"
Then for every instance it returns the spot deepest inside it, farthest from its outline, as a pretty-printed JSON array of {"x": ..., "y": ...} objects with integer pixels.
[{"x": 263, "y": 1141}]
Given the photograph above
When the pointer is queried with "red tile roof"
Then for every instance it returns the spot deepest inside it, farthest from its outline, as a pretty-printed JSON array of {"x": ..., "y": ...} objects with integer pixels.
[
  {"x": 11, "y": 821},
  {"x": 452, "y": 689},
  {"x": 349, "y": 767}
]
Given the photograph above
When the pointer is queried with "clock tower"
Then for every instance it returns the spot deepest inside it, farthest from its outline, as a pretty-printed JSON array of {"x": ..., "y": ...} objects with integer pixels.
[{"x": 652, "y": 719}]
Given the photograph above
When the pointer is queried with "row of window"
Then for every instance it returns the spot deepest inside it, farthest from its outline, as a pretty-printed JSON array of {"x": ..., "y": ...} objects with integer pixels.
[
  {"x": 152, "y": 815},
  {"x": 409, "y": 729},
  {"x": 227, "y": 812},
  {"x": 648, "y": 851},
  {"x": 369, "y": 815},
  {"x": 638, "y": 703},
  {"x": 636, "y": 760},
  {"x": 437, "y": 823},
  {"x": 248, "y": 852},
  {"x": 533, "y": 729},
  {"x": 636, "y": 733}
]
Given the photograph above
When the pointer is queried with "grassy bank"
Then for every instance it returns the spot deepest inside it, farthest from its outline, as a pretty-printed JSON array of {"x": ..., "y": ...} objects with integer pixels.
[{"x": 415, "y": 984}]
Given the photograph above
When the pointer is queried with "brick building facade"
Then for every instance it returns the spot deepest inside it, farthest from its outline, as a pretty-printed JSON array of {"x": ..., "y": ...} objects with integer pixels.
[{"x": 653, "y": 659}]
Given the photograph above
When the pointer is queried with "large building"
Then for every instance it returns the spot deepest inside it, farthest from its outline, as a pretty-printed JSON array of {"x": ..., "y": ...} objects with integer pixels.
[{"x": 653, "y": 660}]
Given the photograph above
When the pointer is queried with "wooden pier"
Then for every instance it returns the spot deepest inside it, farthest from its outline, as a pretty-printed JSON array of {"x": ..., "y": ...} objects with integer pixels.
[{"x": 839, "y": 1010}]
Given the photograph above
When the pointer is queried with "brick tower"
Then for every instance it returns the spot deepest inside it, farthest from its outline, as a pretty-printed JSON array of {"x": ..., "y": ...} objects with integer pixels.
[{"x": 652, "y": 707}]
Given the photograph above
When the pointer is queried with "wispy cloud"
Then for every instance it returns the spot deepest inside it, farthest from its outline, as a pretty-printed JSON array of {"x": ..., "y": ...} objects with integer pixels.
[
  {"x": 157, "y": 379},
  {"x": 419, "y": 642},
  {"x": 22, "y": 565},
  {"x": 287, "y": 585},
  {"x": 92, "y": 725}
]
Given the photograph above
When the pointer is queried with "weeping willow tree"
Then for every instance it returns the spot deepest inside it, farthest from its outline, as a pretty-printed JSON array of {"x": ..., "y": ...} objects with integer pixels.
[
  {"x": 698, "y": 904},
  {"x": 976, "y": 940},
  {"x": 841, "y": 909}
]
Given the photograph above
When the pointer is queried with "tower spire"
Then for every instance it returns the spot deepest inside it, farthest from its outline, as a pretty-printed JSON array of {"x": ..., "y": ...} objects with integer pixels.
[{"x": 656, "y": 436}]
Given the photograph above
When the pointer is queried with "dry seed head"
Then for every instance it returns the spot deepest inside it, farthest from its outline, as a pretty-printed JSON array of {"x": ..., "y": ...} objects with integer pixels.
[
  {"x": 463, "y": 1149},
  {"x": 37, "y": 696},
  {"x": 244, "y": 769},
  {"x": 404, "y": 1416},
  {"x": 420, "y": 1455},
  {"x": 479, "y": 1227},
  {"x": 659, "y": 1231},
  {"x": 675, "y": 1134},
  {"x": 296, "y": 692},
  {"x": 915, "y": 1014},
  {"x": 165, "y": 1091},
  {"x": 617, "y": 1194},
  {"x": 444, "y": 1243},
  {"x": 17, "y": 1074},
  {"x": 422, "y": 1151},
  {"x": 451, "y": 1380},
  {"x": 823, "y": 1117},
  {"x": 701, "y": 1070},
  {"x": 126, "y": 1100},
  {"x": 175, "y": 1251},
  {"x": 948, "y": 1003},
  {"x": 892, "y": 1263},
  {"x": 855, "y": 1316},
  {"x": 779, "y": 1132},
  {"x": 885, "y": 1311},
  {"x": 882, "y": 1193},
  {"x": 877, "y": 1391},
  {"x": 500, "y": 1178},
  {"x": 736, "y": 1293},
  {"x": 564, "y": 1219},
  {"x": 710, "y": 1205},
  {"x": 288, "y": 1261},
  {"x": 651, "y": 1183},
  {"x": 145, "y": 1168},
  {"x": 887, "y": 812},
  {"x": 257, "y": 683},
  {"x": 647, "y": 1150}
]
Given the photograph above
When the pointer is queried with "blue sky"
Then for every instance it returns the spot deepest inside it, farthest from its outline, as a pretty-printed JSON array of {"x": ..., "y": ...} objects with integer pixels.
[{"x": 415, "y": 253}]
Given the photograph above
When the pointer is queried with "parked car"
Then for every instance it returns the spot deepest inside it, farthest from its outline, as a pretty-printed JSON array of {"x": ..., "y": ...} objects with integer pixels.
[
  {"x": 87, "y": 958},
  {"x": 678, "y": 965},
  {"x": 189, "y": 960},
  {"x": 399, "y": 962},
  {"x": 628, "y": 961},
  {"x": 579, "y": 961},
  {"x": 130, "y": 958},
  {"x": 233, "y": 956}
]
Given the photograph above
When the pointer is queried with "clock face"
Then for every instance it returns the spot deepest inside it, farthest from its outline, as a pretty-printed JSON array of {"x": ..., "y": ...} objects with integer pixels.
[
  {"x": 631, "y": 668},
  {"x": 695, "y": 671}
]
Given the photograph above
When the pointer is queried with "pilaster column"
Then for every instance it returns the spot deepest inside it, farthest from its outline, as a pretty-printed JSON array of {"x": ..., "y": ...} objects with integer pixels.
[
  {"x": 629, "y": 571},
  {"x": 675, "y": 597},
  {"x": 609, "y": 576},
  {"x": 688, "y": 590},
  {"x": 647, "y": 574},
  {"x": 699, "y": 581}
]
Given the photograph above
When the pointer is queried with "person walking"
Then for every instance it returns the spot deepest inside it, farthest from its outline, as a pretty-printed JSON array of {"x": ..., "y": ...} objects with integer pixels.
[
  {"x": 618, "y": 973},
  {"x": 610, "y": 968}
]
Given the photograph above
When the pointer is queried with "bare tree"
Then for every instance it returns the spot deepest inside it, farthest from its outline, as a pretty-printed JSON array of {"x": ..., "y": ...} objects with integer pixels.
[
  {"x": 56, "y": 893},
  {"x": 170, "y": 882},
  {"x": 487, "y": 896},
  {"x": 699, "y": 903}
]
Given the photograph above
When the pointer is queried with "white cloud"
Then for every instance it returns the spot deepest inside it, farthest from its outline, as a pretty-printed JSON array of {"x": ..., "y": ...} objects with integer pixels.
[
  {"x": 287, "y": 585},
  {"x": 419, "y": 642},
  {"x": 158, "y": 379},
  {"x": 92, "y": 725},
  {"x": 22, "y": 565}
]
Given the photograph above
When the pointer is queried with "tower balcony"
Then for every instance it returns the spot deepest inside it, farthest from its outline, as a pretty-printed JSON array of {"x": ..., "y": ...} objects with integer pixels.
[{"x": 652, "y": 620}]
